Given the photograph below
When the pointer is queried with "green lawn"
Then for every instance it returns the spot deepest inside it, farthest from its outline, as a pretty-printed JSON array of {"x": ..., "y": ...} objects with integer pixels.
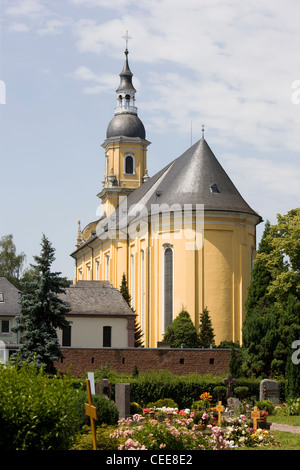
[{"x": 290, "y": 420}]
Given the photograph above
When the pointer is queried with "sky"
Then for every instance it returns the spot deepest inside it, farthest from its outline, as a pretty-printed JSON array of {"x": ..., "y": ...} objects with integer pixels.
[{"x": 232, "y": 66}]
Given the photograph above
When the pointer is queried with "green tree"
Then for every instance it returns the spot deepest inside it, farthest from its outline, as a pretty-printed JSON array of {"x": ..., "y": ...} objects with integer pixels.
[
  {"x": 292, "y": 373},
  {"x": 11, "y": 263},
  {"x": 283, "y": 261},
  {"x": 42, "y": 312},
  {"x": 261, "y": 276},
  {"x": 125, "y": 291},
  {"x": 182, "y": 332},
  {"x": 272, "y": 306},
  {"x": 138, "y": 334},
  {"x": 206, "y": 332},
  {"x": 235, "y": 362}
]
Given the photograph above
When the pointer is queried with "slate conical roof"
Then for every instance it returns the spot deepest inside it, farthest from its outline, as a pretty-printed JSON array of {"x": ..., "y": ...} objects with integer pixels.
[
  {"x": 126, "y": 78},
  {"x": 196, "y": 177}
]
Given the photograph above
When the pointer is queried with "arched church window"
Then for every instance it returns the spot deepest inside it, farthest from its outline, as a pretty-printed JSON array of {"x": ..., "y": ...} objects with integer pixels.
[
  {"x": 129, "y": 165},
  {"x": 132, "y": 280},
  {"x": 142, "y": 288},
  {"x": 107, "y": 267},
  {"x": 168, "y": 286}
]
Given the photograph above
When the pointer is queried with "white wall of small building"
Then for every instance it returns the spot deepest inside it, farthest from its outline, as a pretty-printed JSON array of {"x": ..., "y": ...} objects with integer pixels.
[{"x": 88, "y": 332}]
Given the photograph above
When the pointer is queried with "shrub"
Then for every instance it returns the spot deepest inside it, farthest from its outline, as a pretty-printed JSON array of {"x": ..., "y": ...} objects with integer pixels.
[
  {"x": 241, "y": 392},
  {"x": 294, "y": 407},
  {"x": 37, "y": 412},
  {"x": 266, "y": 405},
  {"x": 107, "y": 411},
  {"x": 135, "y": 408},
  {"x": 220, "y": 391},
  {"x": 163, "y": 402},
  {"x": 84, "y": 441}
]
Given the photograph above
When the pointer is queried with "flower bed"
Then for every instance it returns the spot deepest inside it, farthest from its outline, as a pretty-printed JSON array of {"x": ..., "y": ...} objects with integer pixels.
[
  {"x": 181, "y": 430},
  {"x": 181, "y": 433}
]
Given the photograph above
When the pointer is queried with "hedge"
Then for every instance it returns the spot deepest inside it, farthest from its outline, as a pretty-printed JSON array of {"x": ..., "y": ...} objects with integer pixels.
[{"x": 154, "y": 385}]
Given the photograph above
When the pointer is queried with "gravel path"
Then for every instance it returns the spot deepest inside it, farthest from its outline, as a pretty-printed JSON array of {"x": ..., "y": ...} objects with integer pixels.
[{"x": 285, "y": 427}]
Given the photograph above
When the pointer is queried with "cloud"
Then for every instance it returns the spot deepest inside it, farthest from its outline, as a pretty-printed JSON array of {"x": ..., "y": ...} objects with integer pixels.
[
  {"x": 101, "y": 82},
  {"x": 272, "y": 186},
  {"x": 28, "y": 8},
  {"x": 235, "y": 63},
  {"x": 18, "y": 28},
  {"x": 37, "y": 16}
]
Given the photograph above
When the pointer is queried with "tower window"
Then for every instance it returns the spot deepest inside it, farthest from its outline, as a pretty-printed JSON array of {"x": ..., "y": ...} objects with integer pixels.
[
  {"x": 129, "y": 165},
  {"x": 1, "y": 297}
]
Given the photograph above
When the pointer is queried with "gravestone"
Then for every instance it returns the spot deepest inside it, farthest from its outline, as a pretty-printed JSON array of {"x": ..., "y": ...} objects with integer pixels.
[
  {"x": 269, "y": 390},
  {"x": 122, "y": 399},
  {"x": 233, "y": 405},
  {"x": 102, "y": 387},
  {"x": 91, "y": 378}
]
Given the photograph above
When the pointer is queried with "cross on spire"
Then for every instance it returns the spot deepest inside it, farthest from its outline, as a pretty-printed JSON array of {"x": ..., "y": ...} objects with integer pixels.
[{"x": 126, "y": 37}]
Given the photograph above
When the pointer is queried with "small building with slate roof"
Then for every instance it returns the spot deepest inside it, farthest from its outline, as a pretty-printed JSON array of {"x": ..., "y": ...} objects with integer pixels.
[
  {"x": 99, "y": 317},
  {"x": 9, "y": 308},
  {"x": 184, "y": 237}
]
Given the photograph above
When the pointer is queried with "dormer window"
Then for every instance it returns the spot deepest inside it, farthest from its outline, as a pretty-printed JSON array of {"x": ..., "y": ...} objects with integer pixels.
[
  {"x": 214, "y": 189},
  {"x": 1, "y": 297},
  {"x": 129, "y": 165}
]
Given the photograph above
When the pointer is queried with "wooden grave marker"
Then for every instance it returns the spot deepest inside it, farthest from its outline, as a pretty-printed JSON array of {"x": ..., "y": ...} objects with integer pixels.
[
  {"x": 92, "y": 412},
  {"x": 219, "y": 409},
  {"x": 255, "y": 415}
]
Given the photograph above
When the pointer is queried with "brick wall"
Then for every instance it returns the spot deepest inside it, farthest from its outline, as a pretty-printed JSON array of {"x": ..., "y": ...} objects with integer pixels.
[{"x": 178, "y": 361}]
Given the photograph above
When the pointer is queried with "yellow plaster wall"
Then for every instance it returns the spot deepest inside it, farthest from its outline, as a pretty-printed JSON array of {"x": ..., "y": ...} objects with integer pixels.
[{"x": 215, "y": 276}]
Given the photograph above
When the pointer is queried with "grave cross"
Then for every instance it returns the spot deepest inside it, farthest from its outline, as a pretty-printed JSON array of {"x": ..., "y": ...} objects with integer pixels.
[
  {"x": 92, "y": 412},
  {"x": 255, "y": 415},
  {"x": 219, "y": 409},
  {"x": 229, "y": 381}
]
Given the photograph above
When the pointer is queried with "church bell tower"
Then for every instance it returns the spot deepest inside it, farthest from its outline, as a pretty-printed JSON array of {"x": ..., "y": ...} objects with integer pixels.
[{"x": 125, "y": 145}]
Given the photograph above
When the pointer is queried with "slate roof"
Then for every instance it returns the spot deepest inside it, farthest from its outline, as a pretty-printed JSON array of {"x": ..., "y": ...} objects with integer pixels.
[
  {"x": 96, "y": 298},
  {"x": 196, "y": 177},
  {"x": 10, "y": 306},
  {"x": 127, "y": 125},
  {"x": 126, "y": 78}
]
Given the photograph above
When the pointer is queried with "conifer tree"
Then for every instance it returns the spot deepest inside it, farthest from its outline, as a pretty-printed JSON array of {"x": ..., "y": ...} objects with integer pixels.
[
  {"x": 125, "y": 291},
  {"x": 138, "y": 334},
  {"x": 182, "y": 332},
  {"x": 42, "y": 312},
  {"x": 206, "y": 333}
]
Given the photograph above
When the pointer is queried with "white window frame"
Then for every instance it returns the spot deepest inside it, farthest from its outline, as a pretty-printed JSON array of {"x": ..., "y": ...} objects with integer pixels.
[{"x": 133, "y": 164}]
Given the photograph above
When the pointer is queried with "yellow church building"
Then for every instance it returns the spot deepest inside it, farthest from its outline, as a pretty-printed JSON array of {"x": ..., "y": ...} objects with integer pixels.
[{"x": 184, "y": 237}]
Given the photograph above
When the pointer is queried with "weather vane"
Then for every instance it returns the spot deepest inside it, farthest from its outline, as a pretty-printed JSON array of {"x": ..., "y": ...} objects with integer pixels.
[
  {"x": 126, "y": 37},
  {"x": 203, "y": 129}
]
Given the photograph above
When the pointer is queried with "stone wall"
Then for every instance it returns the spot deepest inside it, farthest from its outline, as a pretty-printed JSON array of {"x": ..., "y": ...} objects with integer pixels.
[{"x": 178, "y": 361}]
